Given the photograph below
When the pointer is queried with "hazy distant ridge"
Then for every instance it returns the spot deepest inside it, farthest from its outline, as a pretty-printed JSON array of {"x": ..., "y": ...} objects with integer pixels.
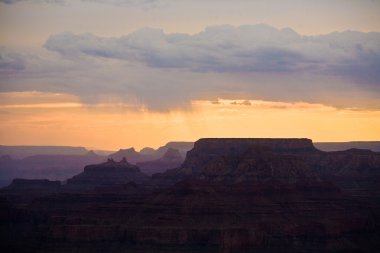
[
  {"x": 339, "y": 146},
  {"x": 19, "y": 152}
]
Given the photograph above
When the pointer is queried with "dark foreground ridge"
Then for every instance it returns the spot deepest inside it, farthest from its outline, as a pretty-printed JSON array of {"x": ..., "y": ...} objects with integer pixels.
[{"x": 229, "y": 195}]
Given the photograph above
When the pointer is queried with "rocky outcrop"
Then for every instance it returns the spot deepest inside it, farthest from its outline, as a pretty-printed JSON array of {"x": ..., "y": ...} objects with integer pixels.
[
  {"x": 239, "y": 145},
  {"x": 236, "y": 160},
  {"x": 108, "y": 173},
  {"x": 172, "y": 155},
  {"x": 182, "y": 146},
  {"x": 149, "y": 154},
  {"x": 170, "y": 160},
  {"x": 131, "y": 155},
  {"x": 147, "y": 151},
  {"x": 355, "y": 171}
]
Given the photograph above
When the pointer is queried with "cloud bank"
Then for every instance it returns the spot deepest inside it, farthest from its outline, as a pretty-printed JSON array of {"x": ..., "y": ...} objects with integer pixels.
[
  {"x": 17, "y": 1},
  {"x": 168, "y": 71},
  {"x": 113, "y": 2},
  {"x": 10, "y": 62},
  {"x": 257, "y": 48}
]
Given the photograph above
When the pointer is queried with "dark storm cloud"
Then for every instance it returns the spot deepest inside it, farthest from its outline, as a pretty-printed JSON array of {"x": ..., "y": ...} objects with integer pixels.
[{"x": 258, "y": 48}]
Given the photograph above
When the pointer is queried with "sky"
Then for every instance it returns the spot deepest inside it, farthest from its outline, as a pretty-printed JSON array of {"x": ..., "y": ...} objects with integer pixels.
[{"x": 121, "y": 73}]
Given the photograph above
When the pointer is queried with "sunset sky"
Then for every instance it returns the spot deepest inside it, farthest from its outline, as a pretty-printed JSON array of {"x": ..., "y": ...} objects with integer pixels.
[{"x": 121, "y": 73}]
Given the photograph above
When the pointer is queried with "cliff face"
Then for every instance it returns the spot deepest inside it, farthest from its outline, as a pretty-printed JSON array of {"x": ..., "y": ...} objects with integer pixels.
[
  {"x": 257, "y": 165},
  {"x": 237, "y": 160},
  {"x": 244, "y": 159},
  {"x": 355, "y": 163},
  {"x": 355, "y": 171},
  {"x": 238, "y": 145},
  {"x": 108, "y": 173}
]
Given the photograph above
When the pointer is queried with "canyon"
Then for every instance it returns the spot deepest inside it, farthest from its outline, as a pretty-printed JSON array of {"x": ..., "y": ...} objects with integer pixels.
[{"x": 228, "y": 195}]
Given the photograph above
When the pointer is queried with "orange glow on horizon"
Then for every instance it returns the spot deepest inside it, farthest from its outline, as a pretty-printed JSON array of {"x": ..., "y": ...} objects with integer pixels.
[{"x": 115, "y": 126}]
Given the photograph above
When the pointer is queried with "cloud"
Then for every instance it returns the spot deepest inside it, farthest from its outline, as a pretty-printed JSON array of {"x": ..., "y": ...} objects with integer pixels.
[
  {"x": 261, "y": 104},
  {"x": 17, "y": 1},
  {"x": 125, "y": 2},
  {"x": 145, "y": 3},
  {"x": 256, "y": 48},
  {"x": 9, "y": 1},
  {"x": 11, "y": 62},
  {"x": 162, "y": 72}
]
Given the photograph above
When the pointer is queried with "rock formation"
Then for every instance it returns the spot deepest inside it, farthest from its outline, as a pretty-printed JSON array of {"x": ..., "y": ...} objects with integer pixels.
[
  {"x": 181, "y": 146},
  {"x": 108, "y": 173},
  {"x": 147, "y": 151},
  {"x": 244, "y": 159},
  {"x": 258, "y": 159},
  {"x": 170, "y": 160},
  {"x": 131, "y": 155},
  {"x": 150, "y": 154}
]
